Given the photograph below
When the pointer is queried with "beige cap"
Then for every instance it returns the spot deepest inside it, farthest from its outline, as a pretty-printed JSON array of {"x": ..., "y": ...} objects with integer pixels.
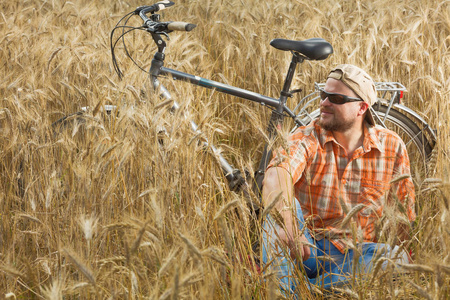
[{"x": 359, "y": 82}]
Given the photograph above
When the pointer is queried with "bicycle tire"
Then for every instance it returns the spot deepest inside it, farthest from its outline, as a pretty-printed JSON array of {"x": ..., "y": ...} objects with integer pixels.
[
  {"x": 64, "y": 121},
  {"x": 80, "y": 127}
]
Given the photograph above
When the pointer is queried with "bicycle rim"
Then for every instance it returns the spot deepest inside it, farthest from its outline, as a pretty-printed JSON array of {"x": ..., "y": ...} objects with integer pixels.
[{"x": 417, "y": 144}]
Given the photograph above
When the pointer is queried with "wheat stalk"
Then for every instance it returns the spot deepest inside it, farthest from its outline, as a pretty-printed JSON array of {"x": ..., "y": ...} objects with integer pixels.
[{"x": 80, "y": 265}]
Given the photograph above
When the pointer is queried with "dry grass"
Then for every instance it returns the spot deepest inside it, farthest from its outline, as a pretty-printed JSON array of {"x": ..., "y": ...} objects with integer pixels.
[{"x": 103, "y": 211}]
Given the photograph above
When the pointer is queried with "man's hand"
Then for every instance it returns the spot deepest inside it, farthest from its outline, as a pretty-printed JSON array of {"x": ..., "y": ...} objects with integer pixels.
[{"x": 297, "y": 244}]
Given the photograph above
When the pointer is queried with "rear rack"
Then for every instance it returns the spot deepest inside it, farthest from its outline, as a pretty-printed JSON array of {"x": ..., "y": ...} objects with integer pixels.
[{"x": 390, "y": 86}]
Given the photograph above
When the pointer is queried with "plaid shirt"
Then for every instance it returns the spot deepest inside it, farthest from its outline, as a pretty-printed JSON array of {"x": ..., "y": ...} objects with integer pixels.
[{"x": 328, "y": 184}]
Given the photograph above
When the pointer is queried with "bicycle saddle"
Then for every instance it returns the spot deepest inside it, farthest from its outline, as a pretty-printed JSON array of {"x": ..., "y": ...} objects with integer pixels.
[{"x": 312, "y": 49}]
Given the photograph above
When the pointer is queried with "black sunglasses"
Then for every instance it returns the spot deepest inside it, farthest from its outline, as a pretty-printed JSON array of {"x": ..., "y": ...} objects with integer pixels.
[{"x": 337, "y": 98}]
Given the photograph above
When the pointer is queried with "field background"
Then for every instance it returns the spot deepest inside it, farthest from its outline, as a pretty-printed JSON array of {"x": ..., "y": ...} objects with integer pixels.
[{"x": 106, "y": 212}]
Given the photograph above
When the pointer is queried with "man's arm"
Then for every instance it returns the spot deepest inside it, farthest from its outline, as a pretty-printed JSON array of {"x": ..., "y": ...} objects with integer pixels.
[{"x": 277, "y": 180}]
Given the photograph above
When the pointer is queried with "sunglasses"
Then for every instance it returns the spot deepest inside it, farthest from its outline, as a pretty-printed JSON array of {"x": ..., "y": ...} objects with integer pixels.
[{"x": 337, "y": 98}]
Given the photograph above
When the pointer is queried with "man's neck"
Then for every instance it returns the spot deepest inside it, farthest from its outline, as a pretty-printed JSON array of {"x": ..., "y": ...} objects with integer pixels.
[{"x": 350, "y": 139}]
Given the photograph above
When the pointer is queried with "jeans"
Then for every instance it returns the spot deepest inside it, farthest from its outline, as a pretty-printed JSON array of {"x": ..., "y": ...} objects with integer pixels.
[{"x": 327, "y": 267}]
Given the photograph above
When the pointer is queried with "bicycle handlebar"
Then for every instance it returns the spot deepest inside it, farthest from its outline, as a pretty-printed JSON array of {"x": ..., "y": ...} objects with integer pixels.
[{"x": 166, "y": 27}]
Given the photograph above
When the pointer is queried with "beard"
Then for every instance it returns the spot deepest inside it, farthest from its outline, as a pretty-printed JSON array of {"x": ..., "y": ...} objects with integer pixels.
[{"x": 335, "y": 124}]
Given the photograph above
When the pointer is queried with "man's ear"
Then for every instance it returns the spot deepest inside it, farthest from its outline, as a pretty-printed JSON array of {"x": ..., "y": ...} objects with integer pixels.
[{"x": 363, "y": 108}]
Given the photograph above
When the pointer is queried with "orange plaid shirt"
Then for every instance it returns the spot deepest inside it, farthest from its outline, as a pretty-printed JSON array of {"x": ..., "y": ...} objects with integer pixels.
[{"x": 322, "y": 173}]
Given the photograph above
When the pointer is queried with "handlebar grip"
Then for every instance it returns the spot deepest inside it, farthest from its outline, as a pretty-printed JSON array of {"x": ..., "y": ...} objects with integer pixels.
[{"x": 180, "y": 26}]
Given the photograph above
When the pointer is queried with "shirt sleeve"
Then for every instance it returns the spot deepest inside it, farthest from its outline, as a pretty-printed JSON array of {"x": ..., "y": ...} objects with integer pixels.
[{"x": 294, "y": 157}]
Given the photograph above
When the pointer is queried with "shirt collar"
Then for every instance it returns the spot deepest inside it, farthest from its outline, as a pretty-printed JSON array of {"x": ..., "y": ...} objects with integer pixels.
[{"x": 371, "y": 139}]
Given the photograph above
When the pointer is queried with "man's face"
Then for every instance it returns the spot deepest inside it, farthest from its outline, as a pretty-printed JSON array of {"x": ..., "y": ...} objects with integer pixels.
[{"x": 338, "y": 117}]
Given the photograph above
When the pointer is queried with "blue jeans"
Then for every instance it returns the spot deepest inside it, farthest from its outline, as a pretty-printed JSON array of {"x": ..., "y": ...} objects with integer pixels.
[{"x": 327, "y": 267}]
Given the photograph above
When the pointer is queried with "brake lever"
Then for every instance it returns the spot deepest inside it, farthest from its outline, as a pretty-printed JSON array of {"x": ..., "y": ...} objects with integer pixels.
[
  {"x": 163, "y": 33},
  {"x": 158, "y": 31}
]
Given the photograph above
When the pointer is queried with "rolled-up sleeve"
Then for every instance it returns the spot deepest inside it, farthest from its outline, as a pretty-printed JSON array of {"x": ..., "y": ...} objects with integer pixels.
[{"x": 295, "y": 156}]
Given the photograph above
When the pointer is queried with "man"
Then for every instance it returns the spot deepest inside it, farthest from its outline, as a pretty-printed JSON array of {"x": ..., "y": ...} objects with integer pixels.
[{"x": 340, "y": 173}]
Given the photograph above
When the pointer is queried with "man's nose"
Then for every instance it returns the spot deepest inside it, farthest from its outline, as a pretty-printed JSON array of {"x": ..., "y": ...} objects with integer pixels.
[{"x": 325, "y": 102}]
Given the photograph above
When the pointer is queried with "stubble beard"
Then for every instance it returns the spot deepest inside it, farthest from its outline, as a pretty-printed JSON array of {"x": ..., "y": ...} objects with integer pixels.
[{"x": 335, "y": 125}]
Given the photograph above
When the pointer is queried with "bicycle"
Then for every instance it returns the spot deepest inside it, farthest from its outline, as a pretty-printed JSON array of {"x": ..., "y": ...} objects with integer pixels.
[{"x": 419, "y": 137}]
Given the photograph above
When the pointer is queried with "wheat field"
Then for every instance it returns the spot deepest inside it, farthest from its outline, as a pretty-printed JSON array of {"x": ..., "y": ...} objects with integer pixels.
[{"x": 116, "y": 208}]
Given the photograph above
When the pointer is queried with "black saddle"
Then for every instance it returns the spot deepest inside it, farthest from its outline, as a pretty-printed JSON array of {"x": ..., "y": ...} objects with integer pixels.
[{"x": 312, "y": 49}]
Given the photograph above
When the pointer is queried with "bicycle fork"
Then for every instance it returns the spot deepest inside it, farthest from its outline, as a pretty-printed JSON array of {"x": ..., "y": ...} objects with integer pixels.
[{"x": 234, "y": 177}]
